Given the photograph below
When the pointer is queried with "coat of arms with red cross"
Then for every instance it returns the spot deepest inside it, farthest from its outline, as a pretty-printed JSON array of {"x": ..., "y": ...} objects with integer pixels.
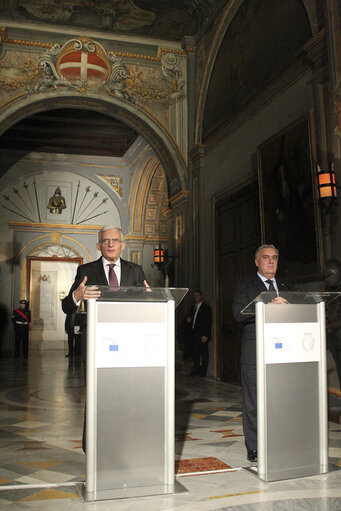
[{"x": 86, "y": 64}]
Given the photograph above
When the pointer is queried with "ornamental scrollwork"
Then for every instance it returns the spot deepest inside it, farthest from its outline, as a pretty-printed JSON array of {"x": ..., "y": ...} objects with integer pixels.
[
  {"x": 82, "y": 65},
  {"x": 85, "y": 66}
]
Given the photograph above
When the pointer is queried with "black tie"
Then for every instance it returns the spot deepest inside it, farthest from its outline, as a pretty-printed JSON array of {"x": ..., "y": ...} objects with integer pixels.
[{"x": 271, "y": 285}]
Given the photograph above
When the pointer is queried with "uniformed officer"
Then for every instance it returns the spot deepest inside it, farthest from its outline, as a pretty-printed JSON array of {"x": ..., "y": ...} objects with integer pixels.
[{"x": 21, "y": 319}]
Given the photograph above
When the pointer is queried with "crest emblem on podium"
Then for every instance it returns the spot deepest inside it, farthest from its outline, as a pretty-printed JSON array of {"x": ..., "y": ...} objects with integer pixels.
[{"x": 308, "y": 341}]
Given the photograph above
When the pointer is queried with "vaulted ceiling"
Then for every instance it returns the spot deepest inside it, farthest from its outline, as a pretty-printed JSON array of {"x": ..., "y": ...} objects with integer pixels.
[{"x": 70, "y": 131}]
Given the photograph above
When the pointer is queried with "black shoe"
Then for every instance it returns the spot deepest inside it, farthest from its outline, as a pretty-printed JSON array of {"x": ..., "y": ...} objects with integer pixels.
[{"x": 252, "y": 456}]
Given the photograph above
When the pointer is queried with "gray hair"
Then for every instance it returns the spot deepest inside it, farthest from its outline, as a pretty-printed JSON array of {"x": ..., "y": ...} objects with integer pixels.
[
  {"x": 110, "y": 228},
  {"x": 261, "y": 248}
]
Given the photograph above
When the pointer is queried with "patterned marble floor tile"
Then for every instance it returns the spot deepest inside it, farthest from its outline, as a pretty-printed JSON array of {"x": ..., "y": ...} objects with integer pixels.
[{"x": 41, "y": 416}]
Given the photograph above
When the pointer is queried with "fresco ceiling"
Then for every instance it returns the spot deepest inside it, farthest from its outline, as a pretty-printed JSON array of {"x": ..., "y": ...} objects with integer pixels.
[
  {"x": 165, "y": 20},
  {"x": 240, "y": 73},
  {"x": 161, "y": 19}
]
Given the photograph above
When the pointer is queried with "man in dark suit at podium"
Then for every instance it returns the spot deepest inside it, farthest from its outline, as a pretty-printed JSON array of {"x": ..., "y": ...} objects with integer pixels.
[
  {"x": 266, "y": 260},
  {"x": 109, "y": 269}
]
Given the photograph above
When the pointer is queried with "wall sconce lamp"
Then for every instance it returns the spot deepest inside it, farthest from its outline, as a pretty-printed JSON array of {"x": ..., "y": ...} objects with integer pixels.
[
  {"x": 159, "y": 257},
  {"x": 326, "y": 186}
]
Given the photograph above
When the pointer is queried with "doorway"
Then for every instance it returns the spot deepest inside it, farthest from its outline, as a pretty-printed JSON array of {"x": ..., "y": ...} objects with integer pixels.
[
  {"x": 237, "y": 237},
  {"x": 49, "y": 280}
]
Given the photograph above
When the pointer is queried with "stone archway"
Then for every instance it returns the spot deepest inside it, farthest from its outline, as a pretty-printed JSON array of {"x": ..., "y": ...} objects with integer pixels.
[{"x": 162, "y": 143}]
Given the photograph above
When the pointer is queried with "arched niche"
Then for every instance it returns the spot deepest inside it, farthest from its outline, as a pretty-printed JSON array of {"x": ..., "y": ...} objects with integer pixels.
[{"x": 162, "y": 143}]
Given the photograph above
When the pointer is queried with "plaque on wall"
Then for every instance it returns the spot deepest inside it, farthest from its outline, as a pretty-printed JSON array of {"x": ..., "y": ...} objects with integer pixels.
[{"x": 43, "y": 300}]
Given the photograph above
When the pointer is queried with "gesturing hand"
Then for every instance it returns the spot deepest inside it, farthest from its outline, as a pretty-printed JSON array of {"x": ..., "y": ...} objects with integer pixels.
[{"x": 84, "y": 292}]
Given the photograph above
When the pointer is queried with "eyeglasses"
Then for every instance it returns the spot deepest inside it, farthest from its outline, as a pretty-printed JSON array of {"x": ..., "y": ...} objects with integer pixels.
[{"x": 114, "y": 241}]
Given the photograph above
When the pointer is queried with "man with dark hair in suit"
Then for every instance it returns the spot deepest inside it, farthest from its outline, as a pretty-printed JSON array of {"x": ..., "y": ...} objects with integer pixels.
[
  {"x": 199, "y": 320},
  {"x": 109, "y": 269},
  {"x": 266, "y": 260},
  {"x": 21, "y": 319}
]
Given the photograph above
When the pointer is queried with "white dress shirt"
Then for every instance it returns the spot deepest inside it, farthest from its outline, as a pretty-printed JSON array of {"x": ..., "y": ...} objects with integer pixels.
[
  {"x": 117, "y": 269},
  {"x": 197, "y": 307}
]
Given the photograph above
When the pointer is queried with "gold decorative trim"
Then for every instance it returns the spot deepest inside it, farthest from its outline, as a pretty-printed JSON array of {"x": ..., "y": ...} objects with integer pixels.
[
  {"x": 115, "y": 183},
  {"x": 139, "y": 56},
  {"x": 22, "y": 42},
  {"x": 55, "y": 237},
  {"x": 133, "y": 237},
  {"x": 167, "y": 212},
  {"x": 128, "y": 55},
  {"x": 37, "y": 226},
  {"x": 46, "y": 236}
]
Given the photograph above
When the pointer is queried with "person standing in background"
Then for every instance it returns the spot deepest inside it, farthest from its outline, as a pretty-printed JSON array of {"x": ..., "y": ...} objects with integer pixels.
[
  {"x": 21, "y": 319},
  {"x": 200, "y": 321},
  {"x": 70, "y": 330}
]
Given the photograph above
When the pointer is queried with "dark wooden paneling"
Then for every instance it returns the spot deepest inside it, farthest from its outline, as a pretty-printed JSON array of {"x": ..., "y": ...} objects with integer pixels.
[{"x": 237, "y": 231}]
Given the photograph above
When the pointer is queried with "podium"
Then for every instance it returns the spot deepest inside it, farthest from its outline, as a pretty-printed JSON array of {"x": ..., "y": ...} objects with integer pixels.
[
  {"x": 292, "y": 408},
  {"x": 130, "y": 392}
]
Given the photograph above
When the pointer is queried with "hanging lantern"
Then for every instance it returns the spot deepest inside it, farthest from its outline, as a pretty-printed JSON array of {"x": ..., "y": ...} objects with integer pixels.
[
  {"x": 159, "y": 257},
  {"x": 326, "y": 186}
]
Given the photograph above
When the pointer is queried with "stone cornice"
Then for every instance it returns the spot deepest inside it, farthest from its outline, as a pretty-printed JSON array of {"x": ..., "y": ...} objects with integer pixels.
[{"x": 179, "y": 198}]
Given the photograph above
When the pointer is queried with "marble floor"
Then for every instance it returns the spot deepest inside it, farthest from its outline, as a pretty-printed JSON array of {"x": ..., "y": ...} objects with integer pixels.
[{"x": 41, "y": 460}]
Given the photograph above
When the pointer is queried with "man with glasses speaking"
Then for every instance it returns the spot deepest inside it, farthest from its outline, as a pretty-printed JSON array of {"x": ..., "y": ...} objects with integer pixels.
[{"x": 109, "y": 269}]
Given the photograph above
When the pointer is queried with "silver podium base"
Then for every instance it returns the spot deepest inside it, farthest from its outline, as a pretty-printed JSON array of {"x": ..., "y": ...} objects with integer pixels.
[
  {"x": 294, "y": 473},
  {"x": 123, "y": 493}
]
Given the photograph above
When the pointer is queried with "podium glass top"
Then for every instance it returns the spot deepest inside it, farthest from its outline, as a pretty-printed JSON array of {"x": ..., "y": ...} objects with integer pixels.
[
  {"x": 141, "y": 294},
  {"x": 293, "y": 297}
]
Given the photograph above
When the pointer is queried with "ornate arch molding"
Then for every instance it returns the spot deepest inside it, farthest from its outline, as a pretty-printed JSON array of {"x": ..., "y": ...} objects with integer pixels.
[
  {"x": 137, "y": 118},
  {"x": 225, "y": 20},
  {"x": 227, "y": 16},
  {"x": 142, "y": 177}
]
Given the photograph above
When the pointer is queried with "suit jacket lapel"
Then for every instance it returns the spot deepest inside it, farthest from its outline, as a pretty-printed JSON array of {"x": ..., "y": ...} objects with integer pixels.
[
  {"x": 100, "y": 277},
  {"x": 125, "y": 273},
  {"x": 260, "y": 284}
]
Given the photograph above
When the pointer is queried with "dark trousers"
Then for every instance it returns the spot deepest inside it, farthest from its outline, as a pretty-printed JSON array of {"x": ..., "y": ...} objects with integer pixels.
[
  {"x": 249, "y": 390},
  {"x": 21, "y": 340},
  {"x": 200, "y": 357},
  {"x": 74, "y": 344},
  {"x": 84, "y": 419}
]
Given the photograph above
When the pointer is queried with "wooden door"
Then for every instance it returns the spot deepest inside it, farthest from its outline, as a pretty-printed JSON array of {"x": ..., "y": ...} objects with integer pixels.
[{"x": 237, "y": 236}]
